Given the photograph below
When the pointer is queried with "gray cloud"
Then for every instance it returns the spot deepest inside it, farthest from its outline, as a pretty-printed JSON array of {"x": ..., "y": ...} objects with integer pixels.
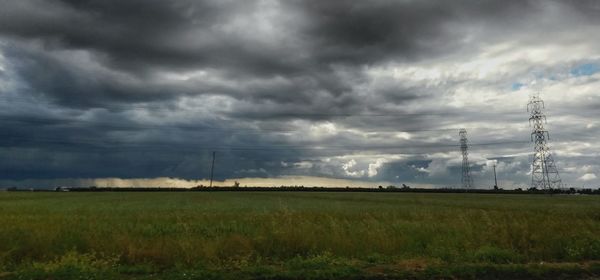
[{"x": 360, "y": 90}]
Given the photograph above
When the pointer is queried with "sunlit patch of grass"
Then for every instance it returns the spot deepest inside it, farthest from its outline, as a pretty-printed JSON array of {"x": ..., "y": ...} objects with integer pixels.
[{"x": 72, "y": 265}]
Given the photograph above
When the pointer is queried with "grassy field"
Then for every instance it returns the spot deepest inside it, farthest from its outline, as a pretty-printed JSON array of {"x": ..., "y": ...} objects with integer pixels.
[{"x": 273, "y": 235}]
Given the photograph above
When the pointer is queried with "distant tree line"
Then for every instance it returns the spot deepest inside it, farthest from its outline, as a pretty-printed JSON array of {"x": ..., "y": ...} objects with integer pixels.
[{"x": 390, "y": 188}]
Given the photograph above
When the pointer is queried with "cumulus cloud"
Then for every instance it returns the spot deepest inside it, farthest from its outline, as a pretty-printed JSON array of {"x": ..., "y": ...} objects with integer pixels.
[
  {"x": 588, "y": 177},
  {"x": 374, "y": 167}
]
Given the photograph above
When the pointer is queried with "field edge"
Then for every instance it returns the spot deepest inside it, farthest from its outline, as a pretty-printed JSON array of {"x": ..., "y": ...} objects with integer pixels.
[{"x": 311, "y": 269}]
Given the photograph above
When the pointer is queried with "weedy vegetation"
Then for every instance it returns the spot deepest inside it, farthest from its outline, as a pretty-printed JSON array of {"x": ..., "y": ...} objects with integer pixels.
[{"x": 295, "y": 235}]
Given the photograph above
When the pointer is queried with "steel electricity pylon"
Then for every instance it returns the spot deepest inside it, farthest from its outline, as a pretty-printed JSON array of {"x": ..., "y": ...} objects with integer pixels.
[
  {"x": 544, "y": 174},
  {"x": 467, "y": 181}
]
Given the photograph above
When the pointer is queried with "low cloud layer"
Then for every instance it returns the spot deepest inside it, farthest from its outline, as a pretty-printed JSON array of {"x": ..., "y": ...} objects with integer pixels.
[{"x": 367, "y": 91}]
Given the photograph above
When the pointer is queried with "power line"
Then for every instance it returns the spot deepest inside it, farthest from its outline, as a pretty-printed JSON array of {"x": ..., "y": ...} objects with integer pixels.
[
  {"x": 137, "y": 106},
  {"x": 495, "y": 178},
  {"x": 212, "y": 168},
  {"x": 230, "y": 130},
  {"x": 274, "y": 147}
]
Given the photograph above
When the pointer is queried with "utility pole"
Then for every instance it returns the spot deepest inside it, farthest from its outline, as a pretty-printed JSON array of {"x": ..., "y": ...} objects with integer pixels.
[
  {"x": 495, "y": 179},
  {"x": 467, "y": 181},
  {"x": 544, "y": 173},
  {"x": 212, "y": 168}
]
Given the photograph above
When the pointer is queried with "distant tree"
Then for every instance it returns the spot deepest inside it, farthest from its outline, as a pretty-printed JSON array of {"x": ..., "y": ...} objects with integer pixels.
[{"x": 236, "y": 184}]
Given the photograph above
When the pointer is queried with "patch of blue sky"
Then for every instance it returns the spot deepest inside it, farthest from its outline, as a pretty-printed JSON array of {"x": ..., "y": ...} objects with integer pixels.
[
  {"x": 586, "y": 69},
  {"x": 517, "y": 86}
]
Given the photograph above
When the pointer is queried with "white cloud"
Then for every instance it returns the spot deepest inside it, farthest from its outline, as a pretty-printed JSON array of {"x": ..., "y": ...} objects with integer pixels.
[
  {"x": 303, "y": 164},
  {"x": 348, "y": 166},
  {"x": 587, "y": 177},
  {"x": 374, "y": 167},
  {"x": 437, "y": 168}
]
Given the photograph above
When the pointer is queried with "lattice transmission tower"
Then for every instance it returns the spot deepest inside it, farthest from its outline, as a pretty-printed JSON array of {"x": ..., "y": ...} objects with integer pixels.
[
  {"x": 467, "y": 181},
  {"x": 544, "y": 174}
]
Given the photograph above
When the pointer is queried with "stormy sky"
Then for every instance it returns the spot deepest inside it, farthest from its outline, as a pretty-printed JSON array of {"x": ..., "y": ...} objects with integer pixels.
[{"x": 369, "y": 92}]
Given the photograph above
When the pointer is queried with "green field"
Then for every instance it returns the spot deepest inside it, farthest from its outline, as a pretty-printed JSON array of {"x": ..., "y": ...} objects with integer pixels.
[{"x": 293, "y": 235}]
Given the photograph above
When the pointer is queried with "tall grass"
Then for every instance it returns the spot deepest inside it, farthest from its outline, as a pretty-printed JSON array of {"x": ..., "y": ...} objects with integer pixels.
[{"x": 167, "y": 230}]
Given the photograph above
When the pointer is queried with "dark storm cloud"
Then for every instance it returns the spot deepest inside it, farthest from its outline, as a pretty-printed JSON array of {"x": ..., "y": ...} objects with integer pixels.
[
  {"x": 102, "y": 85},
  {"x": 70, "y": 82},
  {"x": 361, "y": 32},
  {"x": 141, "y": 37},
  {"x": 132, "y": 32}
]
